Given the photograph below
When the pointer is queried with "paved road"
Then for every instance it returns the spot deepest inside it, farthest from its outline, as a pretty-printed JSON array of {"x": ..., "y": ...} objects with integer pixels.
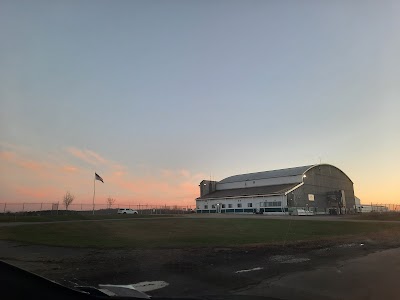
[
  {"x": 211, "y": 216},
  {"x": 374, "y": 276},
  {"x": 271, "y": 217}
]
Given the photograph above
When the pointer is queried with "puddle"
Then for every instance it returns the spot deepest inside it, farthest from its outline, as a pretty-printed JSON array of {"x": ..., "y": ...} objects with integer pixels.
[
  {"x": 122, "y": 291},
  {"x": 144, "y": 286},
  {"x": 322, "y": 250},
  {"x": 296, "y": 260},
  {"x": 347, "y": 245},
  {"x": 280, "y": 258},
  {"x": 249, "y": 270}
]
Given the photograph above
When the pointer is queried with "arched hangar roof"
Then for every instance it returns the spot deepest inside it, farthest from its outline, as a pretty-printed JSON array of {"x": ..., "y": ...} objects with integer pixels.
[
  {"x": 274, "y": 174},
  {"x": 267, "y": 174}
]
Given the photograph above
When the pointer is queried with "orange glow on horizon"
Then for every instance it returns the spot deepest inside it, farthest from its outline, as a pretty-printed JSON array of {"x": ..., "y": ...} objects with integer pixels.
[
  {"x": 34, "y": 181},
  {"x": 28, "y": 179}
]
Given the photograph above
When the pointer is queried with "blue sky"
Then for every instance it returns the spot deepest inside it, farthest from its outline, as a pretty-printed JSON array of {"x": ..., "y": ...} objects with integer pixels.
[{"x": 197, "y": 88}]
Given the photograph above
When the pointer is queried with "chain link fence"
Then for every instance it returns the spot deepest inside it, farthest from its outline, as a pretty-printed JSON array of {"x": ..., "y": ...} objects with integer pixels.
[
  {"x": 372, "y": 207},
  {"x": 147, "y": 209},
  {"x": 86, "y": 208}
]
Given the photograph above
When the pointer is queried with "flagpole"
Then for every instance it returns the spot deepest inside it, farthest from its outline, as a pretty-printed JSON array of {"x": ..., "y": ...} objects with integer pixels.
[{"x": 94, "y": 191}]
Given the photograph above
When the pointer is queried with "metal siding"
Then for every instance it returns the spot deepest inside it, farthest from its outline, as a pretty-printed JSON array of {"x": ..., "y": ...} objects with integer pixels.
[
  {"x": 207, "y": 186},
  {"x": 259, "y": 182},
  {"x": 319, "y": 181},
  {"x": 251, "y": 191},
  {"x": 267, "y": 174}
]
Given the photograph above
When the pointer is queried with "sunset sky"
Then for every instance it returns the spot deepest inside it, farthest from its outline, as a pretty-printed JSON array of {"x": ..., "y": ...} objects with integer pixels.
[{"x": 155, "y": 96}]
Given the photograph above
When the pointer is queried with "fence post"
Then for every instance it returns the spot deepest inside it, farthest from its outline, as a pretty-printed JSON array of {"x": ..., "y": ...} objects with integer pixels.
[
  {"x": 23, "y": 207},
  {"x": 5, "y": 205},
  {"x": 41, "y": 205}
]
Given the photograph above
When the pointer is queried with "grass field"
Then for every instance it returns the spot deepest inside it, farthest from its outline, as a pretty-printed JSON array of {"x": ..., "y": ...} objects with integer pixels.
[
  {"x": 72, "y": 217},
  {"x": 379, "y": 216},
  {"x": 180, "y": 232}
]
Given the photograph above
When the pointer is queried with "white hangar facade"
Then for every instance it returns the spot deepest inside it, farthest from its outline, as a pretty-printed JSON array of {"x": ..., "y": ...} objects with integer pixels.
[{"x": 317, "y": 189}]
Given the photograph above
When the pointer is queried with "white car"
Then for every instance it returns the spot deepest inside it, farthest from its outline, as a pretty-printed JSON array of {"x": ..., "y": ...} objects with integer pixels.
[{"x": 127, "y": 211}]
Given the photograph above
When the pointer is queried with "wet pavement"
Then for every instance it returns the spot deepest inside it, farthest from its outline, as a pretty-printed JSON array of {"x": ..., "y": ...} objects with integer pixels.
[
  {"x": 354, "y": 270},
  {"x": 374, "y": 276}
]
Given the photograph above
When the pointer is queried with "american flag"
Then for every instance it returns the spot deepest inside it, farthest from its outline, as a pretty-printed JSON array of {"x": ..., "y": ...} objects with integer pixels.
[{"x": 97, "y": 177}]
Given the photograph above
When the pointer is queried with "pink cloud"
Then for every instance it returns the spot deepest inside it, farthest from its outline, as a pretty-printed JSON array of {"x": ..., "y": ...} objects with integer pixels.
[
  {"x": 119, "y": 173},
  {"x": 14, "y": 158},
  {"x": 30, "y": 193},
  {"x": 70, "y": 169},
  {"x": 31, "y": 165},
  {"x": 46, "y": 180},
  {"x": 184, "y": 173},
  {"x": 169, "y": 187},
  {"x": 7, "y": 155},
  {"x": 96, "y": 156},
  {"x": 88, "y": 156}
]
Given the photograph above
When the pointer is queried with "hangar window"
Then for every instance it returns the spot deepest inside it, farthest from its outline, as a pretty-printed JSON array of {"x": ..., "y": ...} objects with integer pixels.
[
  {"x": 205, "y": 206},
  {"x": 239, "y": 204},
  {"x": 249, "y": 204},
  {"x": 229, "y": 205},
  {"x": 223, "y": 205},
  {"x": 213, "y": 206}
]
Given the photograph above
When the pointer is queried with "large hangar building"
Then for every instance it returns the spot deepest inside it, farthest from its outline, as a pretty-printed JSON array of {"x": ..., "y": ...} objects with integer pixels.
[{"x": 315, "y": 189}]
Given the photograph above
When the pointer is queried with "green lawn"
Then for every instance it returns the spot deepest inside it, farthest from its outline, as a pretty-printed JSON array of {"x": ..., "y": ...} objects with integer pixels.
[
  {"x": 181, "y": 232},
  {"x": 71, "y": 217}
]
